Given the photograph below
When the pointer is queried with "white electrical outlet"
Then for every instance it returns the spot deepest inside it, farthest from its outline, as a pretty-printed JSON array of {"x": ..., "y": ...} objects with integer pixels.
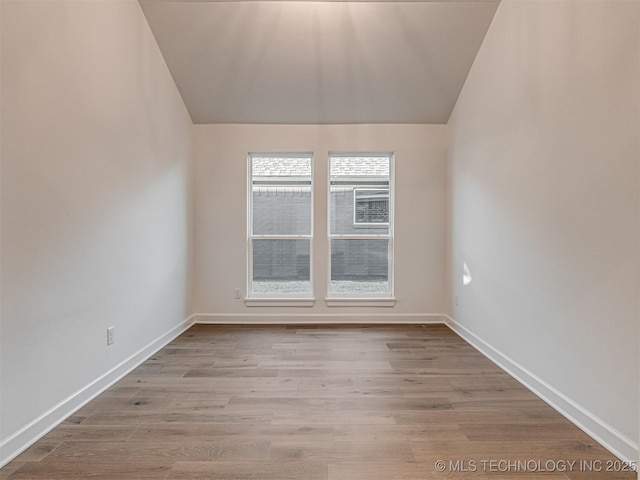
[
  {"x": 238, "y": 294},
  {"x": 110, "y": 335}
]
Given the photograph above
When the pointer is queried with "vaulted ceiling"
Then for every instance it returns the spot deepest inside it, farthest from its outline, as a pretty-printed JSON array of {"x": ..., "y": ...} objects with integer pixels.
[{"x": 308, "y": 62}]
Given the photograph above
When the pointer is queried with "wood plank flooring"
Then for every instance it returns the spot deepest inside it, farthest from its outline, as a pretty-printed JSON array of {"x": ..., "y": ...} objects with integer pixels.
[{"x": 316, "y": 403}]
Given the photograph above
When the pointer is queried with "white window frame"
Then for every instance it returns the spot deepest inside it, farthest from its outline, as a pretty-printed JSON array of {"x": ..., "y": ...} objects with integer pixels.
[
  {"x": 272, "y": 299},
  {"x": 353, "y": 299}
]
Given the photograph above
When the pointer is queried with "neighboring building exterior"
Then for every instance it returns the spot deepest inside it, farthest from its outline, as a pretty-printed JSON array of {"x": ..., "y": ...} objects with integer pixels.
[{"x": 282, "y": 204}]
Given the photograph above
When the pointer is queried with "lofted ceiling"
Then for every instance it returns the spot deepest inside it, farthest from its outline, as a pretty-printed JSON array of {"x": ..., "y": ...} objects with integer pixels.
[{"x": 330, "y": 62}]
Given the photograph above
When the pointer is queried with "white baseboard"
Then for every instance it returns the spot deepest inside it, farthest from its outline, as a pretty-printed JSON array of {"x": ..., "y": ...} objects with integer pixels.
[
  {"x": 614, "y": 441},
  {"x": 23, "y": 438},
  {"x": 318, "y": 318}
]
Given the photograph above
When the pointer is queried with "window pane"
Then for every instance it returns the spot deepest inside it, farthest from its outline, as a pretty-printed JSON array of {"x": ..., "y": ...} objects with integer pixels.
[
  {"x": 359, "y": 266},
  {"x": 281, "y": 190},
  {"x": 281, "y": 266},
  {"x": 359, "y": 195}
]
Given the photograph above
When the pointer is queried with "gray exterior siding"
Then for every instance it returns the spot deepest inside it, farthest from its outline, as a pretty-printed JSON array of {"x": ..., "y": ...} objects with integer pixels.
[
  {"x": 286, "y": 211},
  {"x": 281, "y": 211}
]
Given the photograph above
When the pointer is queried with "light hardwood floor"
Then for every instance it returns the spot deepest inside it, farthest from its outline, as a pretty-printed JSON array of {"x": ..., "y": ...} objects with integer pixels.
[{"x": 315, "y": 403}]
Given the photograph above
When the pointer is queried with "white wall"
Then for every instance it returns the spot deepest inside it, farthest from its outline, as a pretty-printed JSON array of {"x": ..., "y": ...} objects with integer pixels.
[
  {"x": 544, "y": 206},
  {"x": 96, "y": 147},
  {"x": 221, "y": 225}
]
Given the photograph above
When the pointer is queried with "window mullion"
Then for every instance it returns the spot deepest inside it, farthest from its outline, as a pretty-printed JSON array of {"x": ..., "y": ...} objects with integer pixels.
[
  {"x": 280, "y": 237},
  {"x": 370, "y": 236}
]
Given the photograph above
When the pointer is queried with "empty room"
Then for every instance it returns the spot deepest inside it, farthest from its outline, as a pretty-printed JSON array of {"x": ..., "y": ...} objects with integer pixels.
[{"x": 319, "y": 240}]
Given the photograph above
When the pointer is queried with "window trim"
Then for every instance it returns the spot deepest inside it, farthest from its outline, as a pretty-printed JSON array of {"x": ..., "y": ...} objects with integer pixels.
[
  {"x": 273, "y": 299},
  {"x": 368, "y": 299},
  {"x": 360, "y": 302}
]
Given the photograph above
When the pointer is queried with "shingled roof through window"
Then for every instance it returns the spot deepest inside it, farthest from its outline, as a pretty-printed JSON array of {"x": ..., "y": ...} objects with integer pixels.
[
  {"x": 281, "y": 167},
  {"x": 301, "y": 167},
  {"x": 359, "y": 166}
]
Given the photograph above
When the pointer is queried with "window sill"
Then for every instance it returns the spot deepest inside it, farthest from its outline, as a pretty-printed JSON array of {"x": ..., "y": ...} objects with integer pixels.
[
  {"x": 360, "y": 302},
  {"x": 279, "y": 302}
]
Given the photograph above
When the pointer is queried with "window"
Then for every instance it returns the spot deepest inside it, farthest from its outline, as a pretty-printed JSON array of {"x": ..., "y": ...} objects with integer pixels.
[
  {"x": 280, "y": 225},
  {"x": 361, "y": 225},
  {"x": 371, "y": 206}
]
